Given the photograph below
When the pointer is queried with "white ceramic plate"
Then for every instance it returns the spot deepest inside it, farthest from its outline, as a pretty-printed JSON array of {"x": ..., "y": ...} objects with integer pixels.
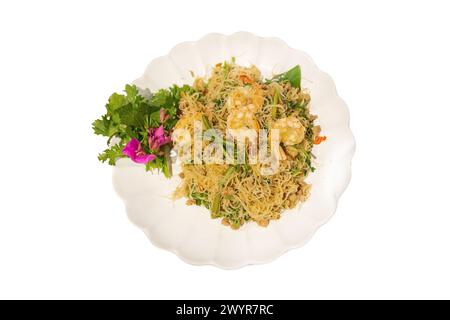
[{"x": 188, "y": 231}]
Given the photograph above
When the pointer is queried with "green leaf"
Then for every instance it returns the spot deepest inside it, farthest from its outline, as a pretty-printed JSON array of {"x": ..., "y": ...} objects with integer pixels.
[
  {"x": 126, "y": 115},
  {"x": 161, "y": 99},
  {"x": 116, "y": 101},
  {"x": 154, "y": 119},
  {"x": 293, "y": 76},
  {"x": 169, "y": 98},
  {"x": 112, "y": 154},
  {"x": 132, "y": 93},
  {"x": 176, "y": 91},
  {"x": 104, "y": 126}
]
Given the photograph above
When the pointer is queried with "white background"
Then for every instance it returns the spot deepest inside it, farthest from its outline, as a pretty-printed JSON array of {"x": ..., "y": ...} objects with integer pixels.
[{"x": 63, "y": 231}]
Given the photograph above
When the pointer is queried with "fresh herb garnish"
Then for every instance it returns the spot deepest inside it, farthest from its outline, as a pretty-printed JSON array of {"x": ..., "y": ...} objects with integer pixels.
[{"x": 142, "y": 126}]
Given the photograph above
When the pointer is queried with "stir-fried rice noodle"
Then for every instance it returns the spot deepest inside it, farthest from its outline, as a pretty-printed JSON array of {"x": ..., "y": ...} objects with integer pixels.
[{"x": 236, "y": 97}]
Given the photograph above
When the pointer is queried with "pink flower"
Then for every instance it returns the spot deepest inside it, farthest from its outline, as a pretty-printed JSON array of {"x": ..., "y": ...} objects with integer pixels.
[
  {"x": 157, "y": 138},
  {"x": 133, "y": 149}
]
